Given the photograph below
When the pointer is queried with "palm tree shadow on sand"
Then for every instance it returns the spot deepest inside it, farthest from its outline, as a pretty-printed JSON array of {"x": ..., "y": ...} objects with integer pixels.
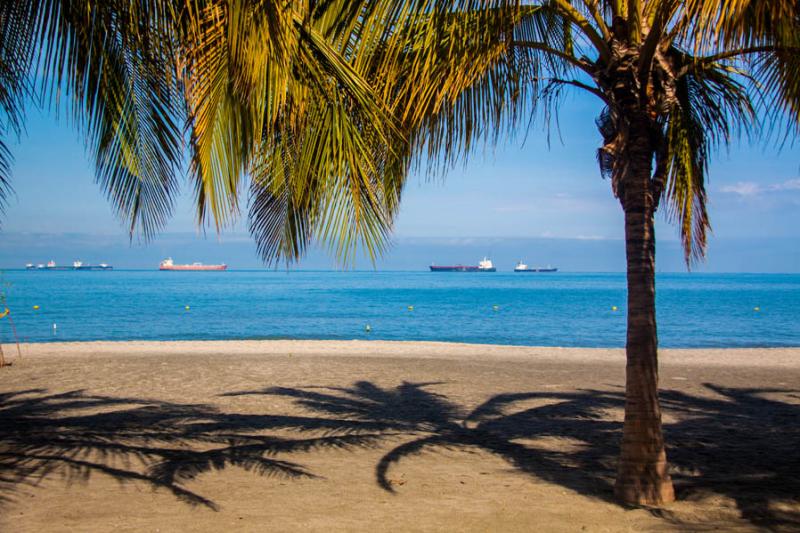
[
  {"x": 75, "y": 435},
  {"x": 432, "y": 421},
  {"x": 739, "y": 443}
]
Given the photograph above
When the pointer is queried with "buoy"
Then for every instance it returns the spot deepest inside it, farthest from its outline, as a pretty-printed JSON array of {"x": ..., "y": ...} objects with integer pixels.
[
  {"x": 496, "y": 307},
  {"x": 4, "y": 313},
  {"x": 55, "y": 327},
  {"x": 35, "y": 307},
  {"x": 410, "y": 307},
  {"x": 187, "y": 308},
  {"x": 367, "y": 328},
  {"x": 756, "y": 309},
  {"x": 613, "y": 307}
]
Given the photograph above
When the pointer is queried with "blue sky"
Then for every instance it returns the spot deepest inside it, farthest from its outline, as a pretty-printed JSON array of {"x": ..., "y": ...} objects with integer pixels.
[{"x": 516, "y": 201}]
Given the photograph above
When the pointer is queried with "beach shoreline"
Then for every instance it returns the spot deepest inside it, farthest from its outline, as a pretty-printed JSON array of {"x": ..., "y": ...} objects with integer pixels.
[
  {"x": 786, "y": 357},
  {"x": 366, "y": 435}
]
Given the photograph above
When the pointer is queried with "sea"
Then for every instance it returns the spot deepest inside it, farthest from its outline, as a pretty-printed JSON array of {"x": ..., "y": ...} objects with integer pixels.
[{"x": 554, "y": 309}]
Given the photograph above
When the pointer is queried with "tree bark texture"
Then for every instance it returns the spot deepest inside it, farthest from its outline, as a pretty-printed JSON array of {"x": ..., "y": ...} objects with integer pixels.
[{"x": 642, "y": 476}]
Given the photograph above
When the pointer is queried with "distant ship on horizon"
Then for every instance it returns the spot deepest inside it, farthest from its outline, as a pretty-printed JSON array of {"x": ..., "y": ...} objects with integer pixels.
[
  {"x": 522, "y": 267},
  {"x": 76, "y": 265},
  {"x": 484, "y": 266},
  {"x": 79, "y": 265},
  {"x": 168, "y": 264}
]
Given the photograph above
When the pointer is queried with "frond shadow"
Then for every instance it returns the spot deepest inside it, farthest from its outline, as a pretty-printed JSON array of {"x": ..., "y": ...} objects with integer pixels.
[
  {"x": 739, "y": 443},
  {"x": 497, "y": 426},
  {"x": 76, "y": 435}
]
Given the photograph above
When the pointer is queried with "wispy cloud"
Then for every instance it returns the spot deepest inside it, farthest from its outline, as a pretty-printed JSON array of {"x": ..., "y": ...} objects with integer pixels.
[
  {"x": 750, "y": 188},
  {"x": 742, "y": 188},
  {"x": 790, "y": 185}
]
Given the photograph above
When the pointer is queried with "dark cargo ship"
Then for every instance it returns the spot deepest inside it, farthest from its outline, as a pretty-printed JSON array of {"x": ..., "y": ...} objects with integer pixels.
[{"x": 484, "y": 266}]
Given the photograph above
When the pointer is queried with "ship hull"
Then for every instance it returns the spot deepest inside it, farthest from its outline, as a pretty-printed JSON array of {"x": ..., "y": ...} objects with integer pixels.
[
  {"x": 194, "y": 268},
  {"x": 94, "y": 267},
  {"x": 461, "y": 268},
  {"x": 535, "y": 270}
]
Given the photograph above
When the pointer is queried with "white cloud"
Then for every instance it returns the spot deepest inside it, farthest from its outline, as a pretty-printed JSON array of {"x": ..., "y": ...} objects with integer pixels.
[
  {"x": 749, "y": 188},
  {"x": 790, "y": 185},
  {"x": 743, "y": 188}
]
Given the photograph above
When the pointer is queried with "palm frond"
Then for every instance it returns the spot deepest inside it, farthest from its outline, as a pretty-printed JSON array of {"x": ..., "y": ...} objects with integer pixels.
[
  {"x": 16, "y": 54},
  {"x": 762, "y": 37},
  {"x": 475, "y": 82},
  {"x": 114, "y": 64},
  {"x": 272, "y": 93},
  {"x": 710, "y": 103},
  {"x": 237, "y": 65}
]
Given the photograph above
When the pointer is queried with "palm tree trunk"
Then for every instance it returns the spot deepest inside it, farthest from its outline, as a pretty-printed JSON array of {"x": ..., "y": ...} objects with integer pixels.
[{"x": 642, "y": 476}]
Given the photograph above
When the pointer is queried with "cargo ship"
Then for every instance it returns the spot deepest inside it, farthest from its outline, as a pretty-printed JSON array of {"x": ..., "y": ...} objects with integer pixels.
[
  {"x": 484, "y": 266},
  {"x": 522, "y": 267},
  {"x": 51, "y": 265},
  {"x": 167, "y": 264},
  {"x": 78, "y": 265}
]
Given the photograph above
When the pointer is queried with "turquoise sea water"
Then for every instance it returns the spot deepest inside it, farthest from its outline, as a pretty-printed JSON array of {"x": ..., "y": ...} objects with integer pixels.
[{"x": 563, "y": 309}]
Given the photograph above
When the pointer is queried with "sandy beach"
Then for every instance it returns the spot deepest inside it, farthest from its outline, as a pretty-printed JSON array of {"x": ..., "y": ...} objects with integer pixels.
[{"x": 383, "y": 436}]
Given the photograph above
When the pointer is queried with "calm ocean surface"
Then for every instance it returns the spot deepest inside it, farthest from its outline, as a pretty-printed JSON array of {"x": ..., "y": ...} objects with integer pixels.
[{"x": 563, "y": 309}]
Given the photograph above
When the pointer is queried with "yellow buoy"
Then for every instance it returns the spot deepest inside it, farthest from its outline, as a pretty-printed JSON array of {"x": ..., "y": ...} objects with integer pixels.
[
  {"x": 187, "y": 307},
  {"x": 5, "y": 313},
  {"x": 410, "y": 307},
  {"x": 613, "y": 307},
  {"x": 756, "y": 309},
  {"x": 496, "y": 307},
  {"x": 35, "y": 307}
]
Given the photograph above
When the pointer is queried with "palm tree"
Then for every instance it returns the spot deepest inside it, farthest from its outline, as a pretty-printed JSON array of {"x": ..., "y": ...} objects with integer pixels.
[
  {"x": 323, "y": 107},
  {"x": 677, "y": 79}
]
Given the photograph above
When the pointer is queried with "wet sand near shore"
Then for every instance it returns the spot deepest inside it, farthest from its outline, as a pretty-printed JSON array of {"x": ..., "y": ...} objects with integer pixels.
[{"x": 374, "y": 436}]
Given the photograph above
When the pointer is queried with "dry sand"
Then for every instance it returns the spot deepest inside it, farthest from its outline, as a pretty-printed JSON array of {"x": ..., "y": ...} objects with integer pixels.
[{"x": 383, "y": 436}]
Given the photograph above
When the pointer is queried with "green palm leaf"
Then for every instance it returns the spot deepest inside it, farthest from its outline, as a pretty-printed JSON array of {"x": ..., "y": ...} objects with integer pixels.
[{"x": 111, "y": 60}]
